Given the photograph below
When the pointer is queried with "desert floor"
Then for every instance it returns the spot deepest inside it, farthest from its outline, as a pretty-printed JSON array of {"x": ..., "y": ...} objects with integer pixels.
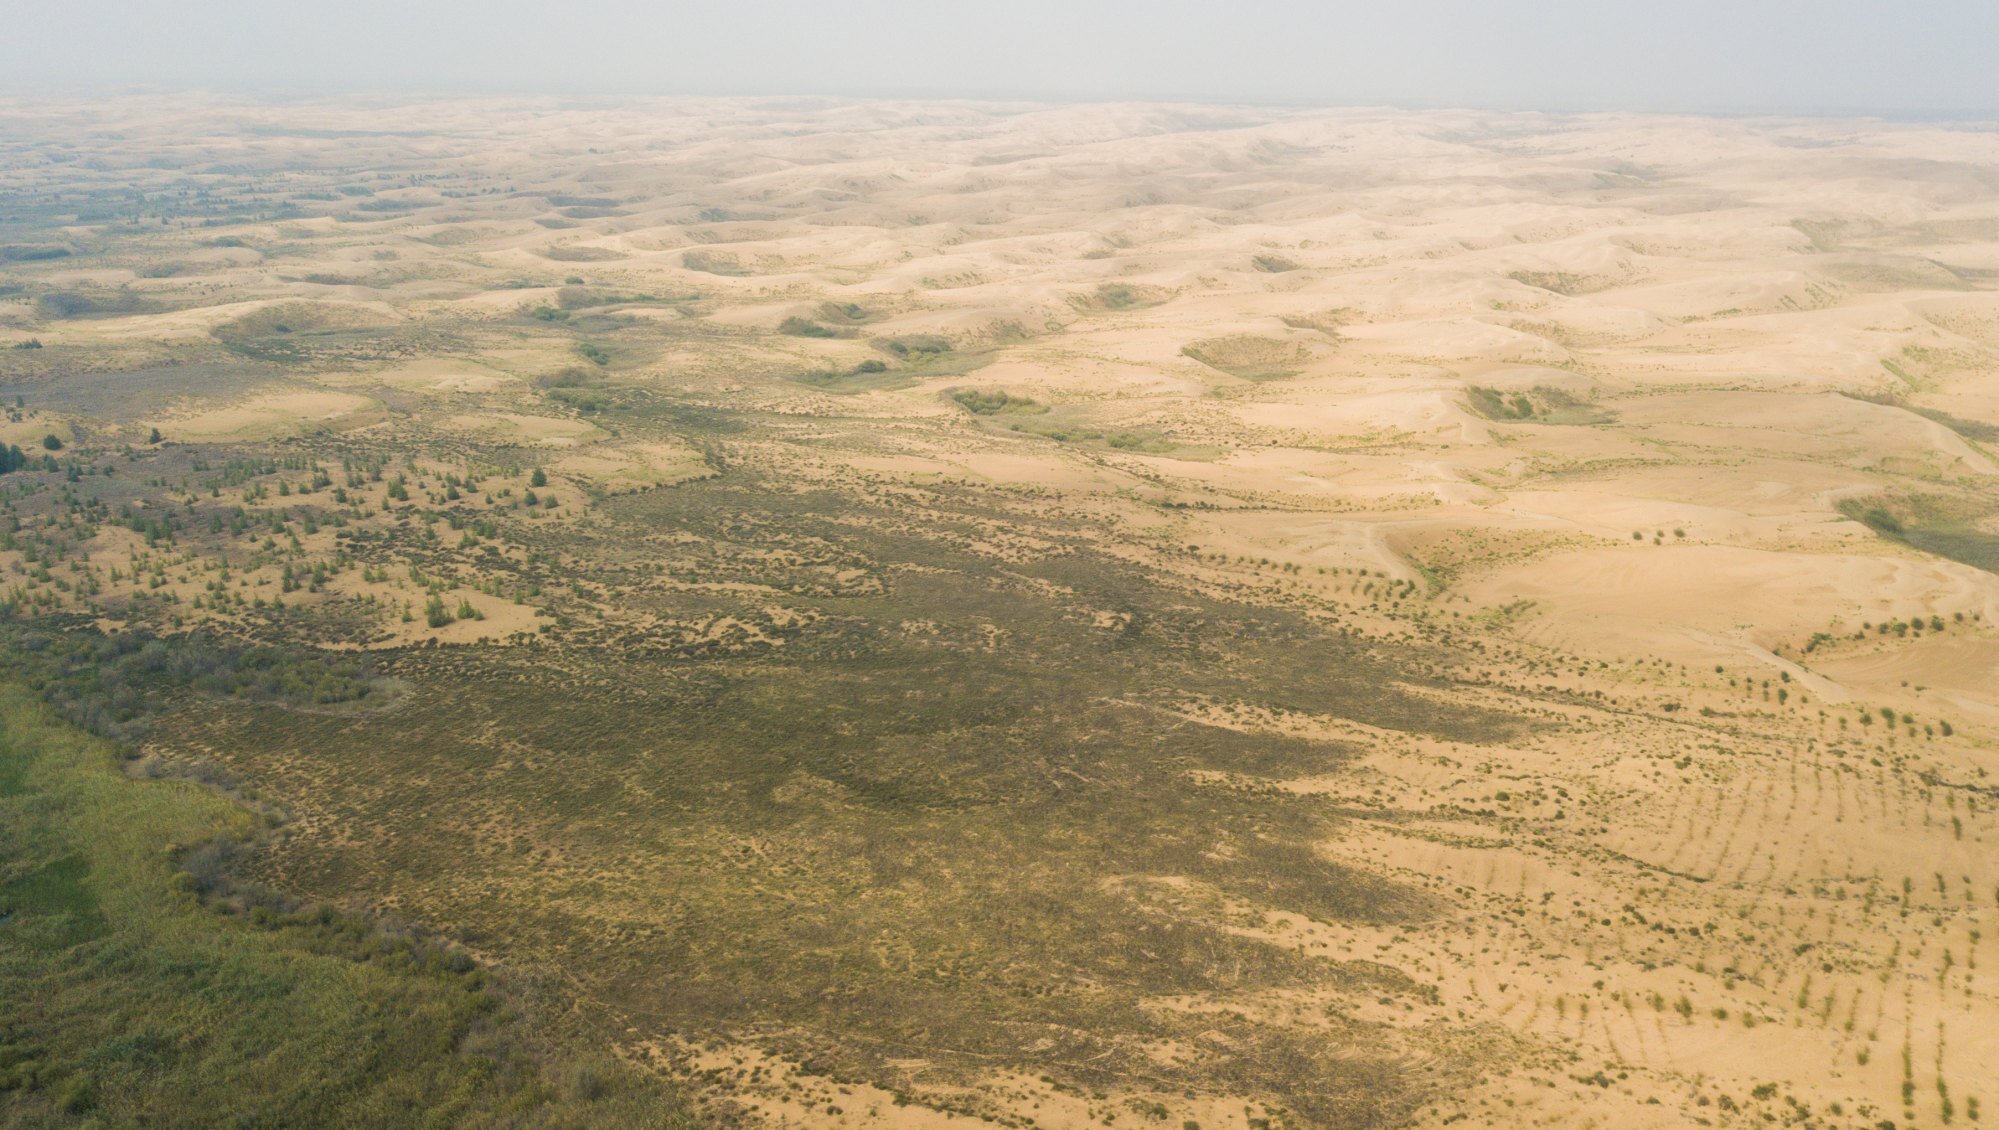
[{"x": 1119, "y": 614}]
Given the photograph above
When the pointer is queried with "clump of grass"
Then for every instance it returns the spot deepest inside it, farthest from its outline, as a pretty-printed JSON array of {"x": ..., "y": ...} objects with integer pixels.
[
  {"x": 916, "y": 348},
  {"x": 995, "y": 402},
  {"x": 1147, "y": 442},
  {"x": 805, "y": 327},
  {"x": 1120, "y": 296},
  {"x": 1494, "y": 405},
  {"x": 1560, "y": 282},
  {"x": 85, "y": 303},
  {"x": 844, "y": 313},
  {"x": 1327, "y": 322},
  {"x": 713, "y": 262},
  {"x": 577, "y": 253},
  {"x": 588, "y": 401},
  {"x": 576, "y": 296},
  {"x": 1877, "y": 518},
  {"x": 1948, "y": 526},
  {"x": 1249, "y": 357},
  {"x": 576, "y": 387},
  {"x": 1541, "y": 404},
  {"x": 867, "y": 376},
  {"x": 16, "y": 253}
]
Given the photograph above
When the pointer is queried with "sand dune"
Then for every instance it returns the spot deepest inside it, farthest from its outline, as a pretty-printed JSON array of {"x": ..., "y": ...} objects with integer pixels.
[{"x": 1669, "y": 440}]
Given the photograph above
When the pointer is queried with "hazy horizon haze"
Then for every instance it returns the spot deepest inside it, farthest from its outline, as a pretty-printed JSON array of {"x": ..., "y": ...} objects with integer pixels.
[{"x": 1703, "y": 57}]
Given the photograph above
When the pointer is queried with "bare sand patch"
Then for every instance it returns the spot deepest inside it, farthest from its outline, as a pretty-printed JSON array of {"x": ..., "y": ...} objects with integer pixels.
[
  {"x": 539, "y": 431},
  {"x": 441, "y": 374},
  {"x": 634, "y": 466},
  {"x": 268, "y": 415}
]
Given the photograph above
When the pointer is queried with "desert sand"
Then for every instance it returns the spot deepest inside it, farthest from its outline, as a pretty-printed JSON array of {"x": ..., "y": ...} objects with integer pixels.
[{"x": 1597, "y": 404}]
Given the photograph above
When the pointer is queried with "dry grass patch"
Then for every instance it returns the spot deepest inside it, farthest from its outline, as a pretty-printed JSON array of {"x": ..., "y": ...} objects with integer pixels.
[{"x": 1251, "y": 358}]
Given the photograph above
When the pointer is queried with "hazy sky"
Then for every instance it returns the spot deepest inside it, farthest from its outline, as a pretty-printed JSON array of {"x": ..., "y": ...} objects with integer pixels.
[{"x": 1912, "y": 56}]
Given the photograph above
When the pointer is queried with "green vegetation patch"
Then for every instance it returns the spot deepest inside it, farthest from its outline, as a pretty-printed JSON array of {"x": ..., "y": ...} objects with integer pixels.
[
  {"x": 1112, "y": 297},
  {"x": 1249, "y": 357},
  {"x": 92, "y": 303},
  {"x": 917, "y": 348},
  {"x": 300, "y": 332},
  {"x": 1118, "y": 439},
  {"x": 1327, "y": 322},
  {"x": 845, "y": 313},
  {"x": 868, "y": 376},
  {"x": 588, "y": 401},
  {"x": 564, "y": 201},
  {"x": 15, "y": 253},
  {"x": 805, "y": 327},
  {"x": 1977, "y": 431},
  {"x": 1560, "y": 282},
  {"x": 1541, "y": 404},
  {"x": 916, "y": 357},
  {"x": 56, "y": 890},
  {"x": 580, "y": 253},
  {"x": 1824, "y": 234},
  {"x": 898, "y": 818},
  {"x": 116, "y": 684},
  {"x": 1925, "y": 368},
  {"x": 996, "y": 402},
  {"x": 1948, "y": 526},
  {"x": 713, "y": 263},
  {"x": 120, "y": 393},
  {"x": 932, "y": 355},
  {"x": 580, "y": 297},
  {"x": 133, "y": 1000}
]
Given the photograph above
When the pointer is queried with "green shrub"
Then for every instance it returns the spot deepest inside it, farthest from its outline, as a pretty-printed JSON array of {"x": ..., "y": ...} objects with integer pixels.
[
  {"x": 804, "y": 327},
  {"x": 588, "y": 401},
  {"x": 114, "y": 685},
  {"x": 915, "y": 347},
  {"x": 993, "y": 403}
]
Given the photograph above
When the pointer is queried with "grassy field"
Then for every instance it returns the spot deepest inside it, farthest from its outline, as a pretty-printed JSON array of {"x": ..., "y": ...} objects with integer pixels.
[
  {"x": 912, "y": 827},
  {"x": 1956, "y": 527},
  {"x": 132, "y": 1000}
]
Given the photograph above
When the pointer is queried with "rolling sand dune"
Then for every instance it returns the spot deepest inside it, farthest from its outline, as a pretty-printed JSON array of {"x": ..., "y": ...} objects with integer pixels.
[{"x": 1649, "y": 461}]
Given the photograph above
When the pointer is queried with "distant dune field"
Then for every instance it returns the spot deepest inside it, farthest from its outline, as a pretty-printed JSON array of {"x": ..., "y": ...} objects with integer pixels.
[{"x": 838, "y": 614}]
